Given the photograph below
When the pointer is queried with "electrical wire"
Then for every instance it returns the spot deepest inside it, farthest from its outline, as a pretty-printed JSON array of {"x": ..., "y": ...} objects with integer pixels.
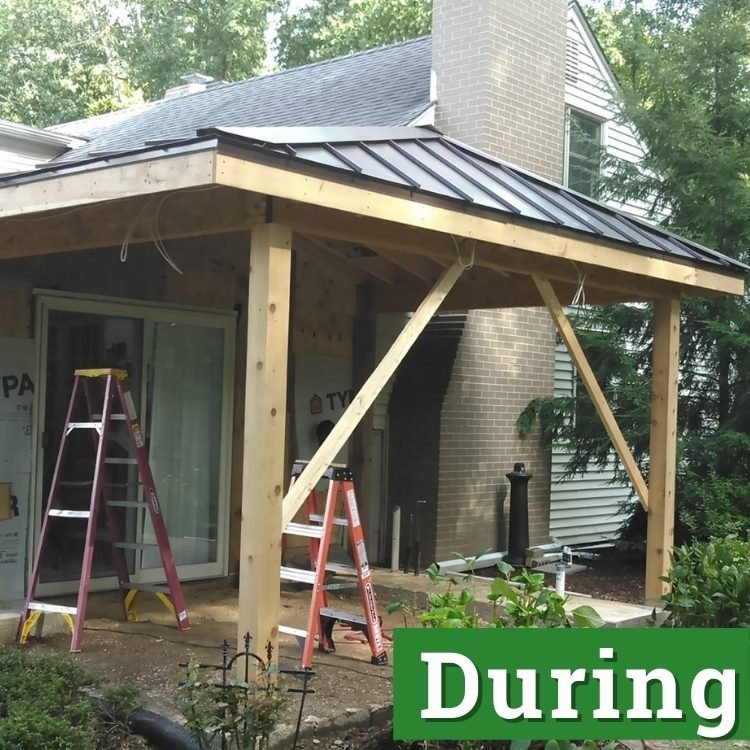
[{"x": 470, "y": 264}]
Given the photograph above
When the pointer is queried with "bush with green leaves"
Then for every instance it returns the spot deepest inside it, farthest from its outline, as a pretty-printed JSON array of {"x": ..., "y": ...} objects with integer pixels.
[
  {"x": 42, "y": 706},
  {"x": 710, "y": 585}
]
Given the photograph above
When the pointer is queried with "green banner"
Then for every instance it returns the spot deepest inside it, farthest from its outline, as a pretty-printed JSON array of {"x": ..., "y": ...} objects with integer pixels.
[{"x": 562, "y": 683}]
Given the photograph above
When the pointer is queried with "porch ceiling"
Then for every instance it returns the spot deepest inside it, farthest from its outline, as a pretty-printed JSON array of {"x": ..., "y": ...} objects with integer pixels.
[{"x": 395, "y": 206}]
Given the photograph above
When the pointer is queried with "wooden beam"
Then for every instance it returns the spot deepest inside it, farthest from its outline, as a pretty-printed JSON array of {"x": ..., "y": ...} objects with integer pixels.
[
  {"x": 419, "y": 266},
  {"x": 265, "y": 426},
  {"x": 110, "y": 182},
  {"x": 173, "y": 215},
  {"x": 368, "y": 393},
  {"x": 663, "y": 445},
  {"x": 409, "y": 211},
  {"x": 550, "y": 299}
]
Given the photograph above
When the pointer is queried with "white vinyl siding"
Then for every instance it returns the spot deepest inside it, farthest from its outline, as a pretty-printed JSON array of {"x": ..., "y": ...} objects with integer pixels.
[{"x": 586, "y": 508}]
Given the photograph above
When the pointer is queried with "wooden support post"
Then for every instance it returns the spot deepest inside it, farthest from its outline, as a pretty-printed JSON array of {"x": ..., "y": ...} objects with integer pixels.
[
  {"x": 663, "y": 445},
  {"x": 592, "y": 386},
  {"x": 368, "y": 393},
  {"x": 265, "y": 426}
]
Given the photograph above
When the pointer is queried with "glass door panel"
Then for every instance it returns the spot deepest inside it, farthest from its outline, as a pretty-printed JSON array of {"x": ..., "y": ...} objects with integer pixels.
[{"x": 186, "y": 415}]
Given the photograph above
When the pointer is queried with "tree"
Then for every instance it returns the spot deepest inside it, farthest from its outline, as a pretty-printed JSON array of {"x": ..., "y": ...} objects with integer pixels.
[
  {"x": 162, "y": 40},
  {"x": 330, "y": 28},
  {"x": 57, "y": 61},
  {"x": 66, "y": 59},
  {"x": 684, "y": 72}
]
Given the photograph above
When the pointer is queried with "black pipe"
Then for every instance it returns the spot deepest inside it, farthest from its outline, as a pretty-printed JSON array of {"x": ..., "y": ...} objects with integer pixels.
[
  {"x": 158, "y": 730},
  {"x": 518, "y": 536}
]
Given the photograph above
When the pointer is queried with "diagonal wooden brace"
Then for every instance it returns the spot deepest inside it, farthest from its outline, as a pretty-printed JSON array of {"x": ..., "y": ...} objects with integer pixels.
[
  {"x": 364, "y": 399},
  {"x": 592, "y": 386}
]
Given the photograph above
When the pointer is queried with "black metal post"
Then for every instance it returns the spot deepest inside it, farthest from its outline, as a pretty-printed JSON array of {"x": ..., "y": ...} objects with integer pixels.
[{"x": 518, "y": 536}]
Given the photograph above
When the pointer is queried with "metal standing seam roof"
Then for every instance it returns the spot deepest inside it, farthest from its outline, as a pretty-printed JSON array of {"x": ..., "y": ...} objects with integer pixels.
[{"x": 423, "y": 161}]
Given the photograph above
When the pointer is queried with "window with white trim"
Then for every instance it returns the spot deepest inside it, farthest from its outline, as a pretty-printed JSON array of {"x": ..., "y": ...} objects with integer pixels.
[{"x": 584, "y": 153}]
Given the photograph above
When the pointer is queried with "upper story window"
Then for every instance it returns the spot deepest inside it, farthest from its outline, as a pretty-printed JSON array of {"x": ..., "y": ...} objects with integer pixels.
[{"x": 584, "y": 153}]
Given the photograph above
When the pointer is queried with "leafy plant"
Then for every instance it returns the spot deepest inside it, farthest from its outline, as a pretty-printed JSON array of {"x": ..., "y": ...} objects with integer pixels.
[
  {"x": 41, "y": 704},
  {"x": 240, "y": 714},
  {"x": 710, "y": 585},
  {"x": 523, "y": 601}
]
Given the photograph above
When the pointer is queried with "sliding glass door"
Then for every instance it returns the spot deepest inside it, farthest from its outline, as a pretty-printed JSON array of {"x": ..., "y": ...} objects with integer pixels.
[{"x": 180, "y": 363}]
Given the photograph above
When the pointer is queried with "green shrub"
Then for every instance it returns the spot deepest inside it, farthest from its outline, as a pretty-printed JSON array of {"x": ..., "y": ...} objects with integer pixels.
[
  {"x": 41, "y": 705},
  {"x": 710, "y": 585}
]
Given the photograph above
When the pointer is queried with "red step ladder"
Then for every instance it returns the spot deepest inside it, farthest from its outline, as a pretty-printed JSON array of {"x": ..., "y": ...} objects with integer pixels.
[
  {"x": 319, "y": 530},
  {"x": 115, "y": 390}
]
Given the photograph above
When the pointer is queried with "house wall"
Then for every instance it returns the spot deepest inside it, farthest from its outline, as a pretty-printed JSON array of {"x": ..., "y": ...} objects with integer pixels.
[
  {"x": 215, "y": 276},
  {"x": 587, "y": 508},
  {"x": 499, "y": 68}
]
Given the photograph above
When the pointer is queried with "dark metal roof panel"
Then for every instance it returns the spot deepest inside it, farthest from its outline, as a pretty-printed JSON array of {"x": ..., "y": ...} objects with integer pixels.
[{"x": 428, "y": 163}]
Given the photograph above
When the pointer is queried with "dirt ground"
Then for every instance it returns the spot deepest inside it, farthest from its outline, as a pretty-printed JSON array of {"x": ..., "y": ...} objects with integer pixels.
[
  {"x": 148, "y": 654},
  {"x": 612, "y": 576}
]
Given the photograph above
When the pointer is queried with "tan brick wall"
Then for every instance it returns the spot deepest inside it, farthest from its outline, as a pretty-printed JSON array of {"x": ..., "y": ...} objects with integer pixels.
[
  {"x": 499, "y": 68},
  {"x": 505, "y": 359}
]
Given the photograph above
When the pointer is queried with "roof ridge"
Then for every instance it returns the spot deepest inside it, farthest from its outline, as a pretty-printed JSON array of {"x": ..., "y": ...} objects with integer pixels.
[
  {"x": 314, "y": 64},
  {"x": 273, "y": 75}
]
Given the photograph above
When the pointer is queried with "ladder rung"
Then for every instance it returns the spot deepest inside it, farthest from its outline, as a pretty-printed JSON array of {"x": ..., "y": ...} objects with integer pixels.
[
  {"x": 344, "y": 570},
  {"x": 61, "y": 513},
  {"x": 340, "y": 586},
  {"x": 296, "y": 632},
  {"x": 126, "y": 504},
  {"x": 121, "y": 461},
  {"x": 303, "y": 529},
  {"x": 76, "y": 484},
  {"x": 337, "y": 521},
  {"x": 135, "y": 545},
  {"x": 57, "y": 608},
  {"x": 84, "y": 426},
  {"x": 122, "y": 485},
  {"x": 339, "y": 614},
  {"x": 114, "y": 417},
  {"x": 297, "y": 574},
  {"x": 157, "y": 588}
]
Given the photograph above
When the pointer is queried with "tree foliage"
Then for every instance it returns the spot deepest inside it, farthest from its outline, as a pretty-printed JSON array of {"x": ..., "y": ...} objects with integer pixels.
[
  {"x": 65, "y": 59},
  {"x": 330, "y": 28},
  {"x": 684, "y": 72}
]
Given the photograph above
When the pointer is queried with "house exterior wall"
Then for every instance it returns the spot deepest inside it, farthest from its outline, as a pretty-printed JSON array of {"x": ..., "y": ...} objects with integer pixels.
[
  {"x": 215, "y": 276},
  {"x": 499, "y": 68},
  {"x": 587, "y": 508}
]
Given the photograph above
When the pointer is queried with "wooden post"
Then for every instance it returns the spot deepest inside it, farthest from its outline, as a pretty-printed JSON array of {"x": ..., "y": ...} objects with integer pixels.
[
  {"x": 363, "y": 400},
  {"x": 578, "y": 356},
  {"x": 663, "y": 445},
  {"x": 265, "y": 426}
]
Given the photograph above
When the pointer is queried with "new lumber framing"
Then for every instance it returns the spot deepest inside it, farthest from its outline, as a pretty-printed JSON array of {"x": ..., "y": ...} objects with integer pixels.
[
  {"x": 562, "y": 323},
  {"x": 662, "y": 446},
  {"x": 265, "y": 426},
  {"x": 364, "y": 399}
]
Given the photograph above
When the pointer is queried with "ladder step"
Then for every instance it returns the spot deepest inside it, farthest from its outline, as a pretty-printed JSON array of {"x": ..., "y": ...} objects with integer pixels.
[
  {"x": 296, "y": 632},
  {"x": 56, "y": 608},
  {"x": 344, "y": 570},
  {"x": 84, "y": 426},
  {"x": 303, "y": 529},
  {"x": 338, "y": 614},
  {"x": 113, "y": 417},
  {"x": 337, "y": 521},
  {"x": 126, "y": 504},
  {"x": 60, "y": 513},
  {"x": 156, "y": 588},
  {"x": 121, "y": 461},
  {"x": 135, "y": 545},
  {"x": 297, "y": 574},
  {"x": 88, "y": 483}
]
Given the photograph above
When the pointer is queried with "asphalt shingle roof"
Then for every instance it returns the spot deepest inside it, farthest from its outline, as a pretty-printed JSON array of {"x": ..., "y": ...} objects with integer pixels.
[{"x": 381, "y": 87}]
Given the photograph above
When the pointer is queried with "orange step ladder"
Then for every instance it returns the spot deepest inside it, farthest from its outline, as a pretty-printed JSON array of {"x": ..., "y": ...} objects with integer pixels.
[
  {"x": 115, "y": 390},
  {"x": 319, "y": 530}
]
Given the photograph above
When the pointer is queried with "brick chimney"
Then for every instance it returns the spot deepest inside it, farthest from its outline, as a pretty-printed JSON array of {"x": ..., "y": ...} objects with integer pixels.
[{"x": 500, "y": 76}]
